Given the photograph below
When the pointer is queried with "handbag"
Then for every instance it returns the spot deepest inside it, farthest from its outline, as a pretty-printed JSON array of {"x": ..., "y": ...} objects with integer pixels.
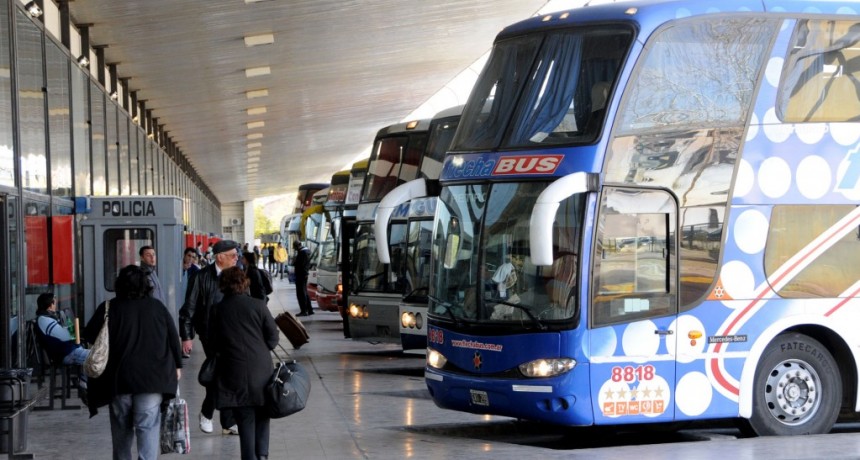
[
  {"x": 288, "y": 389},
  {"x": 175, "y": 432},
  {"x": 207, "y": 373},
  {"x": 97, "y": 359}
]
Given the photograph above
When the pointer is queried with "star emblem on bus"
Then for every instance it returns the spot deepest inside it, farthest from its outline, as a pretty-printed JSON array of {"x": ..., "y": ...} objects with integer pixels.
[{"x": 477, "y": 360}]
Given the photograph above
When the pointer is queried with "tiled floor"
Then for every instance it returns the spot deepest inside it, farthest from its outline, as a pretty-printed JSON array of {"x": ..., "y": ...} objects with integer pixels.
[{"x": 370, "y": 402}]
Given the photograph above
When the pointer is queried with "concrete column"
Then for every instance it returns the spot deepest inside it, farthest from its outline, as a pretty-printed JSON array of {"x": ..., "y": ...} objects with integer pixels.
[{"x": 248, "y": 219}]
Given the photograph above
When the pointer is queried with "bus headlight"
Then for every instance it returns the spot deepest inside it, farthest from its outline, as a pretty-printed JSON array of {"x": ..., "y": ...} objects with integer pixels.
[
  {"x": 435, "y": 359},
  {"x": 407, "y": 320},
  {"x": 354, "y": 310},
  {"x": 546, "y": 367},
  {"x": 419, "y": 321}
]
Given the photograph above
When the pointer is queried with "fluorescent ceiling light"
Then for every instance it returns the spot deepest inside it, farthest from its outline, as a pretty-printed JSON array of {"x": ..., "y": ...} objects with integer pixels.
[
  {"x": 257, "y": 40},
  {"x": 256, "y": 124},
  {"x": 257, "y": 110},
  {"x": 257, "y": 71},
  {"x": 254, "y": 145},
  {"x": 253, "y": 159},
  {"x": 253, "y": 153},
  {"x": 253, "y": 136},
  {"x": 256, "y": 93}
]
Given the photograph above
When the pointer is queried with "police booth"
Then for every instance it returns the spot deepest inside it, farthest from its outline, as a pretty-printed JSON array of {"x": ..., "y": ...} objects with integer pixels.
[{"x": 113, "y": 230}]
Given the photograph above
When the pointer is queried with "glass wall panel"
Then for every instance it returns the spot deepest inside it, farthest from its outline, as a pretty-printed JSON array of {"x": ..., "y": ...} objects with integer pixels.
[
  {"x": 112, "y": 147},
  {"x": 97, "y": 125},
  {"x": 133, "y": 159},
  {"x": 124, "y": 184},
  {"x": 156, "y": 169},
  {"x": 81, "y": 132},
  {"x": 59, "y": 120},
  {"x": 7, "y": 157},
  {"x": 31, "y": 105}
]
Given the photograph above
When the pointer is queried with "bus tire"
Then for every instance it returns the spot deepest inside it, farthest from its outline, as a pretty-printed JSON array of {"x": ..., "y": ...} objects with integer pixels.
[{"x": 797, "y": 388}]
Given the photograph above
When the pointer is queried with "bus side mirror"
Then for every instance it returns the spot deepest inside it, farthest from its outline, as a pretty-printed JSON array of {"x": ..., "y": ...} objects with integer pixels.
[{"x": 543, "y": 214}]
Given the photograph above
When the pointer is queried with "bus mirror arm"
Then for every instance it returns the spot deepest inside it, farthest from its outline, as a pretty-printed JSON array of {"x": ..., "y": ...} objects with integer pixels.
[
  {"x": 402, "y": 193},
  {"x": 546, "y": 206}
]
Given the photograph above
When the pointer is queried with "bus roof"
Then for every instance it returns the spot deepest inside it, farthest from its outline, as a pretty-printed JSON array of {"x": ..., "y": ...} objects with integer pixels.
[
  {"x": 651, "y": 14},
  {"x": 340, "y": 177},
  {"x": 314, "y": 186},
  {"x": 399, "y": 128},
  {"x": 360, "y": 166}
]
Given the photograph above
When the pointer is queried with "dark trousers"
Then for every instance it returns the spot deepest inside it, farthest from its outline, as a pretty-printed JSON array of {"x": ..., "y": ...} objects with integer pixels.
[
  {"x": 302, "y": 294},
  {"x": 253, "y": 423},
  {"x": 225, "y": 416}
]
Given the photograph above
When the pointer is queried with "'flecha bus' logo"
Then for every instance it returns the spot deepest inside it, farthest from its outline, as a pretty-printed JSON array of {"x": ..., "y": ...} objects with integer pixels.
[{"x": 527, "y": 164}]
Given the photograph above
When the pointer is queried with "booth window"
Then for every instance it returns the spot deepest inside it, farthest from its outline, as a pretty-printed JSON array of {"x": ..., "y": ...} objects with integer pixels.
[{"x": 121, "y": 249}]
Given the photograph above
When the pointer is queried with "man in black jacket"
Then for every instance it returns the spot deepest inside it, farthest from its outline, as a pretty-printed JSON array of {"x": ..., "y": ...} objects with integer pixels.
[
  {"x": 302, "y": 266},
  {"x": 201, "y": 295}
]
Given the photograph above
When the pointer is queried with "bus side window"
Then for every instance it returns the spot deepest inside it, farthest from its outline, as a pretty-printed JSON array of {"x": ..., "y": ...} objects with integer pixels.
[
  {"x": 634, "y": 266},
  {"x": 821, "y": 73}
]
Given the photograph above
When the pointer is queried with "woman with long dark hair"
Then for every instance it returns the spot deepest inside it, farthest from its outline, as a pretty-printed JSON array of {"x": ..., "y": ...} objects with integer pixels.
[
  {"x": 245, "y": 332},
  {"x": 143, "y": 366}
]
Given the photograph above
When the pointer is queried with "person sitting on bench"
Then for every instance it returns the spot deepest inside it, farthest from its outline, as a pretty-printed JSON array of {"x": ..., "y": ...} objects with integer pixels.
[{"x": 56, "y": 339}]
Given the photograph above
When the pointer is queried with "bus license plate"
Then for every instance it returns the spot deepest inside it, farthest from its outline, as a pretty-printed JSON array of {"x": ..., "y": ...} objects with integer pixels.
[{"x": 479, "y": 398}]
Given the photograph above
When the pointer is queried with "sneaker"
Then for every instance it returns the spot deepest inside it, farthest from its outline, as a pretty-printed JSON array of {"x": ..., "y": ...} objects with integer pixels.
[
  {"x": 205, "y": 424},
  {"x": 302, "y": 314},
  {"x": 232, "y": 430}
]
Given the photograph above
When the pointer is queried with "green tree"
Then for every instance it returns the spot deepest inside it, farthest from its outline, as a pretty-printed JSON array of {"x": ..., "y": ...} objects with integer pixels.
[{"x": 262, "y": 224}]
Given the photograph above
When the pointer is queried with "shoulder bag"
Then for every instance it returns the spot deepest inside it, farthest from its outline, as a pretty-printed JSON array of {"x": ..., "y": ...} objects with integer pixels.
[
  {"x": 97, "y": 359},
  {"x": 288, "y": 389}
]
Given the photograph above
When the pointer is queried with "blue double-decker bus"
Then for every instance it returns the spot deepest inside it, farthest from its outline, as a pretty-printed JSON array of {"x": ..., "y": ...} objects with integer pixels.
[{"x": 649, "y": 213}]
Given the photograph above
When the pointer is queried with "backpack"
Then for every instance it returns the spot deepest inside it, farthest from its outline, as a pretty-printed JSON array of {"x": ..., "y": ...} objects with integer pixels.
[{"x": 267, "y": 281}]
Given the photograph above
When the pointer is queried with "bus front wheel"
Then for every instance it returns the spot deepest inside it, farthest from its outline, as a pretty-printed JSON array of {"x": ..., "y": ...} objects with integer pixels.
[{"x": 797, "y": 388}]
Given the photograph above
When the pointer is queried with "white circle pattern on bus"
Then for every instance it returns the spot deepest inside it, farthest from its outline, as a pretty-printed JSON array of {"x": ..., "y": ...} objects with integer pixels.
[
  {"x": 738, "y": 280},
  {"x": 811, "y": 133},
  {"x": 744, "y": 180},
  {"x": 774, "y": 177},
  {"x": 693, "y": 393},
  {"x": 845, "y": 134},
  {"x": 639, "y": 340},
  {"x": 813, "y": 177},
  {"x": 752, "y": 225},
  {"x": 774, "y": 129}
]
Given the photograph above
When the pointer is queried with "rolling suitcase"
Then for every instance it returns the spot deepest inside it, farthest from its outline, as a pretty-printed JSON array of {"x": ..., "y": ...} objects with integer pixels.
[{"x": 292, "y": 328}]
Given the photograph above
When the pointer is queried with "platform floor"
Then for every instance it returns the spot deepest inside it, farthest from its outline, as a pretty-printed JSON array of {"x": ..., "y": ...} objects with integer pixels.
[{"x": 370, "y": 402}]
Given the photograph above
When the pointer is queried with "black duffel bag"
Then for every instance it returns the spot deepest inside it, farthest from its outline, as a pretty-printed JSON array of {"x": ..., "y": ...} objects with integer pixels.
[{"x": 288, "y": 390}]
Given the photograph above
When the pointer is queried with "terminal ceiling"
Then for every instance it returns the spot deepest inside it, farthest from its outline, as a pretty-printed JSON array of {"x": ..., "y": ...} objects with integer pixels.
[{"x": 339, "y": 71}]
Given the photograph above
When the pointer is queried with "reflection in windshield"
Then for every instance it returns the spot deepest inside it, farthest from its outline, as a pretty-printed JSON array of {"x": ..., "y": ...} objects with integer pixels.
[
  {"x": 488, "y": 277},
  {"x": 544, "y": 90},
  {"x": 329, "y": 254}
]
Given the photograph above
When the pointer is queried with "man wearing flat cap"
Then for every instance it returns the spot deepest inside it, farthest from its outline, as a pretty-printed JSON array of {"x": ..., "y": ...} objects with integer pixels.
[{"x": 202, "y": 293}]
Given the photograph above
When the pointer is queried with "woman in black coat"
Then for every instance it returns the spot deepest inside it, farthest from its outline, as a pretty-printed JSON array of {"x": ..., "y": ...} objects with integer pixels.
[
  {"x": 143, "y": 366},
  {"x": 257, "y": 286},
  {"x": 245, "y": 332}
]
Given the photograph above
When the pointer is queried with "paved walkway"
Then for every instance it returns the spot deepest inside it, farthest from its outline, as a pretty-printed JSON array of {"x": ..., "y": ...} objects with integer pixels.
[{"x": 370, "y": 402}]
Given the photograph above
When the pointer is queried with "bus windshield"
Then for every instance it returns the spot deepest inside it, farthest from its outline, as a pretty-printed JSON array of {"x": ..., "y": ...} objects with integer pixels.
[
  {"x": 481, "y": 268},
  {"x": 549, "y": 89},
  {"x": 371, "y": 275},
  {"x": 329, "y": 254}
]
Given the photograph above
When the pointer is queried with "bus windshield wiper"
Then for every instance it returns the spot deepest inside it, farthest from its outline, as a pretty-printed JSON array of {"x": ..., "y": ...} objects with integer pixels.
[
  {"x": 447, "y": 307},
  {"x": 412, "y": 292},
  {"x": 524, "y": 308},
  {"x": 364, "y": 281}
]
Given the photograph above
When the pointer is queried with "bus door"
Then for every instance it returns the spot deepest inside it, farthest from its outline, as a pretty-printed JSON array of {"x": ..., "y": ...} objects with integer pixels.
[{"x": 634, "y": 307}]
